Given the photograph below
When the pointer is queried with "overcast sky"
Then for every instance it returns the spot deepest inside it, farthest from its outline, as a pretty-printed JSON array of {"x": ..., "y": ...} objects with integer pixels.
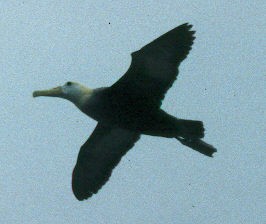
[{"x": 222, "y": 82}]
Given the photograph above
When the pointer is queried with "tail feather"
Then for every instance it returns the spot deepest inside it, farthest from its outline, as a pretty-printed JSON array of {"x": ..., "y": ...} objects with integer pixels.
[
  {"x": 198, "y": 145},
  {"x": 190, "y": 129}
]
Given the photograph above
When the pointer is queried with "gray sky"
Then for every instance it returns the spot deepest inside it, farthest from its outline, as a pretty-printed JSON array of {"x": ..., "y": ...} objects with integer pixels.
[{"x": 222, "y": 82}]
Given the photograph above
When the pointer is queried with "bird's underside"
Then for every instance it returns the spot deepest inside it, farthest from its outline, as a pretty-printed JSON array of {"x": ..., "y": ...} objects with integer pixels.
[
  {"x": 131, "y": 107},
  {"x": 153, "y": 70}
]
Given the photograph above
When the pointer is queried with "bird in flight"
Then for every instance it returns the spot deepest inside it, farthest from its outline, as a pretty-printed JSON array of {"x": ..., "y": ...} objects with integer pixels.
[{"x": 131, "y": 107}]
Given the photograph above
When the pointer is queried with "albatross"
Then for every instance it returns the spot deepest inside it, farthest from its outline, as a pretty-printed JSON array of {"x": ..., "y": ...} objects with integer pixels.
[{"x": 129, "y": 108}]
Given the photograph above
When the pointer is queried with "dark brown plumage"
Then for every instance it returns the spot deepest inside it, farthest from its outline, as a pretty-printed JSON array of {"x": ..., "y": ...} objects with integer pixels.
[
  {"x": 97, "y": 158},
  {"x": 129, "y": 108}
]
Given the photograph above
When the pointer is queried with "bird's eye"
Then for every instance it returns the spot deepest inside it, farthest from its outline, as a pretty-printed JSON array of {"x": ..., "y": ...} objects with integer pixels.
[{"x": 69, "y": 83}]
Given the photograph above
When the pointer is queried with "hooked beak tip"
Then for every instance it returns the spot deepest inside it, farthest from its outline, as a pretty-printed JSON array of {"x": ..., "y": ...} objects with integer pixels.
[{"x": 34, "y": 94}]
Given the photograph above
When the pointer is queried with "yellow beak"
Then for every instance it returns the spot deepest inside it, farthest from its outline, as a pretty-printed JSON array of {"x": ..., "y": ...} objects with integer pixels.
[{"x": 55, "y": 92}]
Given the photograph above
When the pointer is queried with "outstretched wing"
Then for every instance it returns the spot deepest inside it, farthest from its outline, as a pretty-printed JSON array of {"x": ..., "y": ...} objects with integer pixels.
[
  {"x": 154, "y": 67},
  {"x": 97, "y": 158}
]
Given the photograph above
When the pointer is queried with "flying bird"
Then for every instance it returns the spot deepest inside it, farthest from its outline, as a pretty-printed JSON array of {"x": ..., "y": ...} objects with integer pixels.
[{"x": 131, "y": 107}]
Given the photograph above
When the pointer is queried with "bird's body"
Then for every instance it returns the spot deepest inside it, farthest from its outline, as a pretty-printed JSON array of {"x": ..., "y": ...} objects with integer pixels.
[
  {"x": 110, "y": 109},
  {"x": 129, "y": 108}
]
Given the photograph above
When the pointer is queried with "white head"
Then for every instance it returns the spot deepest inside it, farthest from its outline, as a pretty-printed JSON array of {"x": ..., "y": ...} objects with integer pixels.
[{"x": 71, "y": 91}]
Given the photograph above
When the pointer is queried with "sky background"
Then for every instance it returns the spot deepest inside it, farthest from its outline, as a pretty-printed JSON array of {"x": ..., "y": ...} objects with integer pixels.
[{"x": 43, "y": 44}]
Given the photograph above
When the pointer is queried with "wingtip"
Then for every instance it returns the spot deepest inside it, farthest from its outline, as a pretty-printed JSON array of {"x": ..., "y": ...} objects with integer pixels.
[
  {"x": 214, "y": 151},
  {"x": 188, "y": 25},
  {"x": 81, "y": 196}
]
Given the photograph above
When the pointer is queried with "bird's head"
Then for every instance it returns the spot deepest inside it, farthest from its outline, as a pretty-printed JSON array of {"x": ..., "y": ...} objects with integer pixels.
[{"x": 72, "y": 91}]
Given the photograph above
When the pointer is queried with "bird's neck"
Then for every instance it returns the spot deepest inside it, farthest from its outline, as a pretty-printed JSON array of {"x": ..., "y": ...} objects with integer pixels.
[{"x": 81, "y": 98}]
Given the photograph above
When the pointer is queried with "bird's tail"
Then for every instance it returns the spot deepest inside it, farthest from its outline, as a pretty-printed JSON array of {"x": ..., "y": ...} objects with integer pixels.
[
  {"x": 190, "y": 133},
  {"x": 190, "y": 129},
  {"x": 198, "y": 145}
]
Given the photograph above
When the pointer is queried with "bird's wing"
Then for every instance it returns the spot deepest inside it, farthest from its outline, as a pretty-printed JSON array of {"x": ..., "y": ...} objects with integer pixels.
[
  {"x": 154, "y": 67},
  {"x": 97, "y": 158}
]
